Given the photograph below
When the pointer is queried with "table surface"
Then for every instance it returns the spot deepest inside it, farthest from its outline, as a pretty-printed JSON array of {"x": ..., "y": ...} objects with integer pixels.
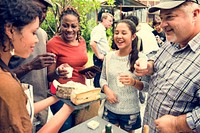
[{"x": 82, "y": 128}]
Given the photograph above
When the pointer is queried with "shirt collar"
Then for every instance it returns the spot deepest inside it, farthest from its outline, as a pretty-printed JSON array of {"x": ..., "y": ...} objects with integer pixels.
[
  {"x": 101, "y": 25},
  {"x": 194, "y": 44}
]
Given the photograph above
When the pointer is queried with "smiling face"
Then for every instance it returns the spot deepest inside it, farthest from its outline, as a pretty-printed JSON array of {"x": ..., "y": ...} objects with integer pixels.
[
  {"x": 123, "y": 36},
  {"x": 69, "y": 28},
  {"x": 25, "y": 40},
  {"x": 179, "y": 24}
]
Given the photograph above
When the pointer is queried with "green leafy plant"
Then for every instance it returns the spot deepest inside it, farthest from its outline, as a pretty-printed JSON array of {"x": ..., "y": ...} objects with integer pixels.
[{"x": 84, "y": 7}]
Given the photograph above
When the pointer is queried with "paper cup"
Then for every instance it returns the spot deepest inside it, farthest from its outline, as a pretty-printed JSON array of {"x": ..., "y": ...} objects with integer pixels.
[
  {"x": 143, "y": 63},
  {"x": 70, "y": 70}
]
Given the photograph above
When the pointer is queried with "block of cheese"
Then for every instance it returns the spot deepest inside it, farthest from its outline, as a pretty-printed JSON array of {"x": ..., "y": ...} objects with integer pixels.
[
  {"x": 64, "y": 91},
  {"x": 80, "y": 96}
]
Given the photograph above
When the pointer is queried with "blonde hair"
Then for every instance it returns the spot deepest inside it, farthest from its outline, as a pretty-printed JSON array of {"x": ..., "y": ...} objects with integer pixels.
[{"x": 105, "y": 15}]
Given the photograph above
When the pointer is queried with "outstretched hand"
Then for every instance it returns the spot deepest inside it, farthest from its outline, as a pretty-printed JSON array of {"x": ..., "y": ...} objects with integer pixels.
[{"x": 42, "y": 61}]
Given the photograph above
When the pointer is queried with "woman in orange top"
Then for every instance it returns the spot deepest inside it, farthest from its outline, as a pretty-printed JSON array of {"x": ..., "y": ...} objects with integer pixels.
[{"x": 70, "y": 50}]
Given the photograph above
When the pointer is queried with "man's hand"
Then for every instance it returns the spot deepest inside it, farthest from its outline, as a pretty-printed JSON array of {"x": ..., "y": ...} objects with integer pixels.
[
  {"x": 39, "y": 62},
  {"x": 142, "y": 72},
  {"x": 42, "y": 61},
  {"x": 166, "y": 124}
]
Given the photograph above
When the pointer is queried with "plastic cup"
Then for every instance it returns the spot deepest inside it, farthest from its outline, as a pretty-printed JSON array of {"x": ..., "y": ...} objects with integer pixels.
[{"x": 119, "y": 84}]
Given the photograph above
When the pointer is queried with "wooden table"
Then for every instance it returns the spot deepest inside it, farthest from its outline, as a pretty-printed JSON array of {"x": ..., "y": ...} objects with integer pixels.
[{"x": 82, "y": 128}]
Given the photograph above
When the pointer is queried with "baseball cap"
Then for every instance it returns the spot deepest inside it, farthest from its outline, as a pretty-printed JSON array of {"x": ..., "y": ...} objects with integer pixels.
[
  {"x": 169, "y": 4},
  {"x": 48, "y": 2}
]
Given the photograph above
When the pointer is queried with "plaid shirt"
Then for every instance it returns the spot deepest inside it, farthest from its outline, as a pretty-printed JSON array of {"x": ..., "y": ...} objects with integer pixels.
[{"x": 175, "y": 85}]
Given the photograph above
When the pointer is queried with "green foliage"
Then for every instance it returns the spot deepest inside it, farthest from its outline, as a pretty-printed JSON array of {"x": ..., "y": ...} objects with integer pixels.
[
  {"x": 49, "y": 25},
  {"x": 84, "y": 7},
  {"x": 109, "y": 33},
  {"x": 110, "y": 2},
  {"x": 86, "y": 30}
]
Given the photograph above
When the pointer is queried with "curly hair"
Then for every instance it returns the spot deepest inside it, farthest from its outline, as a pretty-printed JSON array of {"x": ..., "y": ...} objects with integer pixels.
[
  {"x": 133, "y": 55},
  {"x": 17, "y": 13},
  {"x": 71, "y": 10}
]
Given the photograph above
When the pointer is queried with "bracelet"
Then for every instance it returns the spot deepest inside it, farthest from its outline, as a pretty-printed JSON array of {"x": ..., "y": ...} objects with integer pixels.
[
  {"x": 57, "y": 73},
  {"x": 134, "y": 82}
]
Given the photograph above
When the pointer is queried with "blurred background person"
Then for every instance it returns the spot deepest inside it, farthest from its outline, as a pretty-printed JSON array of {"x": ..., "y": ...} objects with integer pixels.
[
  {"x": 99, "y": 43},
  {"x": 158, "y": 33}
]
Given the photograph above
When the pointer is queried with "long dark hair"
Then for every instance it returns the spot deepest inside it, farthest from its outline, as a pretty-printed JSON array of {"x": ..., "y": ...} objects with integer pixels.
[{"x": 133, "y": 55}]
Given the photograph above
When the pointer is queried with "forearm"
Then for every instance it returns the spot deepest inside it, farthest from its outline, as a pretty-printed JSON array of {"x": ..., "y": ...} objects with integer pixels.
[
  {"x": 94, "y": 48},
  {"x": 56, "y": 122},
  {"x": 138, "y": 84},
  {"x": 22, "y": 70},
  {"x": 181, "y": 124},
  {"x": 52, "y": 75},
  {"x": 43, "y": 104},
  {"x": 105, "y": 89}
]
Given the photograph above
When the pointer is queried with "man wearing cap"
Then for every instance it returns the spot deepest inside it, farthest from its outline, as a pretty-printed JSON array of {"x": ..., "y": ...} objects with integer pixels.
[
  {"x": 33, "y": 69},
  {"x": 173, "y": 103}
]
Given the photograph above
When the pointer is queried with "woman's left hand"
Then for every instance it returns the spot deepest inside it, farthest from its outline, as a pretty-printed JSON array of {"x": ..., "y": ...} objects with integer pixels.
[{"x": 126, "y": 79}]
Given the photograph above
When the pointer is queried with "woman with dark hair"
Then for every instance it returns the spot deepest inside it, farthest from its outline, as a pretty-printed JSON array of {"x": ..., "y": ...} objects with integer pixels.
[
  {"x": 19, "y": 21},
  {"x": 118, "y": 81},
  {"x": 70, "y": 50}
]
